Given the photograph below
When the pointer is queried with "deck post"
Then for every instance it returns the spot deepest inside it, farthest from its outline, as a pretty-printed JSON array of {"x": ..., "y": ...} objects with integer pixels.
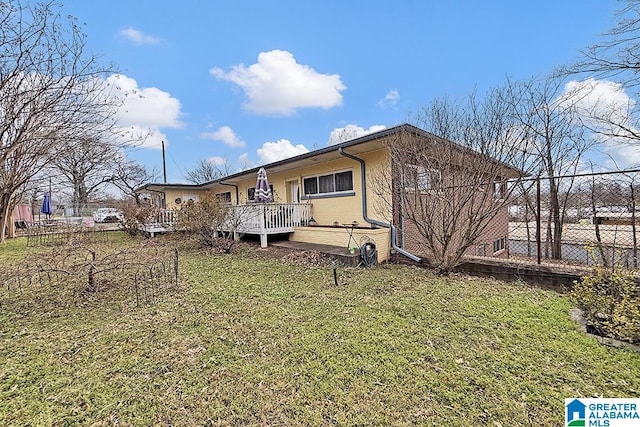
[{"x": 263, "y": 228}]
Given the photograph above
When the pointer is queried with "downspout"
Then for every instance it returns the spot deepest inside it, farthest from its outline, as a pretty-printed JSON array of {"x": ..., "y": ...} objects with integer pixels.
[
  {"x": 236, "y": 187},
  {"x": 363, "y": 179}
]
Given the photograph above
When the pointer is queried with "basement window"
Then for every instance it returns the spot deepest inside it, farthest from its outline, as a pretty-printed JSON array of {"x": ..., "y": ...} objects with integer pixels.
[{"x": 499, "y": 245}]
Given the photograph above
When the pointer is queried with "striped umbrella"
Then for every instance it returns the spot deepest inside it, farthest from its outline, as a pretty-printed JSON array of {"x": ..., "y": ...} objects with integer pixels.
[{"x": 263, "y": 191}]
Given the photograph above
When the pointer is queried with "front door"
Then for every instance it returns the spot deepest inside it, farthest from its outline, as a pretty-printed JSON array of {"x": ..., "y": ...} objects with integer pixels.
[
  {"x": 294, "y": 192},
  {"x": 293, "y": 197}
]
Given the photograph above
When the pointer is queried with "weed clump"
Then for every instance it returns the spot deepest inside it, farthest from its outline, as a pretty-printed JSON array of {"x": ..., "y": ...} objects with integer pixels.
[{"x": 610, "y": 301}]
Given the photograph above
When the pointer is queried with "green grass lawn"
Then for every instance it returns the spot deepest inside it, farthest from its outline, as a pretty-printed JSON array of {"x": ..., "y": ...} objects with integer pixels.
[{"x": 249, "y": 341}]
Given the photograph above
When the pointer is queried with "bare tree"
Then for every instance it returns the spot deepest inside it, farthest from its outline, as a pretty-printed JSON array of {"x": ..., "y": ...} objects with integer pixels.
[
  {"x": 50, "y": 91},
  {"x": 618, "y": 54},
  {"x": 451, "y": 183},
  {"x": 87, "y": 164},
  {"x": 556, "y": 143},
  {"x": 615, "y": 57},
  {"x": 128, "y": 176},
  {"x": 206, "y": 170}
]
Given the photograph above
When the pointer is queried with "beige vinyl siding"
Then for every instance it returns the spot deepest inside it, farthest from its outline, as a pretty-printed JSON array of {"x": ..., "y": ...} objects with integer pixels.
[{"x": 172, "y": 194}]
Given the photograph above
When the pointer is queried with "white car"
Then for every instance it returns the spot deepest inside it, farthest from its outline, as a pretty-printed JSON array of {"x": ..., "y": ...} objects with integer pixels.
[{"x": 107, "y": 215}]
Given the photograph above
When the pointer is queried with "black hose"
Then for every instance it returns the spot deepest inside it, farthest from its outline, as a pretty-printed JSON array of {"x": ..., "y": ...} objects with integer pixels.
[{"x": 368, "y": 254}]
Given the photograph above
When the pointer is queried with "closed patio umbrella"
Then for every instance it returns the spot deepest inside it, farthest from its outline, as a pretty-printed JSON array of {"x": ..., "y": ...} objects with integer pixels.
[
  {"x": 263, "y": 191},
  {"x": 46, "y": 205}
]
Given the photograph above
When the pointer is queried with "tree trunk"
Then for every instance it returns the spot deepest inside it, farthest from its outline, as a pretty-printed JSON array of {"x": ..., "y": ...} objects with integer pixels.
[
  {"x": 4, "y": 214},
  {"x": 633, "y": 226},
  {"x": 596, "y": 223},
  {"x": 556, "y": 220}
]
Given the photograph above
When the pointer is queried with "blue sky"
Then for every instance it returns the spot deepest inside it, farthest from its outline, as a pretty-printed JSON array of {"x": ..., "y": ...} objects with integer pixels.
[{"x": 254, "y": 81}]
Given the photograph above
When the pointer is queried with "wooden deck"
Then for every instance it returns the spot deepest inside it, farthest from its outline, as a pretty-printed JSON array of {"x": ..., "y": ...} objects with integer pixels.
[{"x": 260, "y": 219}]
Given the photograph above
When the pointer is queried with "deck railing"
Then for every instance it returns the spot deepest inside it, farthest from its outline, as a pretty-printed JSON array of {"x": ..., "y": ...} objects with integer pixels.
[
  {"x": 267, "y": 218},
  {"x": 256, "y": 218},
  {"x": 166, "y": 217}
]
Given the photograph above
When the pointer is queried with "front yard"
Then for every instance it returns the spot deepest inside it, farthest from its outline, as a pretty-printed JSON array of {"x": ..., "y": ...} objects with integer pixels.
[{"x": 251, "y": 341}]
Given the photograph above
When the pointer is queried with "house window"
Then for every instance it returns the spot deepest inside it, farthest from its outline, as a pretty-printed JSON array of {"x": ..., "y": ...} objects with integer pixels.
[
  {"x": 499, "y": 245},
  {"x": 333, "y": 183},
  {"x": 481, "y": 250},
  {"x": 499, "y": 190},
  {"x": 420, "y": 179},
  {"x": 251, "y": 193},
  {"x": 326, "y": 184},
  {"x": 310, "y": 185},
  {"x": 224, "y": 198},
  {"x": 190, "y": 198},
  {"x": 344, "y": 181}
]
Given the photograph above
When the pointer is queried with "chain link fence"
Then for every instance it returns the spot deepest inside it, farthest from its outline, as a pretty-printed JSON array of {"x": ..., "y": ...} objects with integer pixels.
[
  {"x": 584, "y": 219},
  {"x": 29, "y": 219}
]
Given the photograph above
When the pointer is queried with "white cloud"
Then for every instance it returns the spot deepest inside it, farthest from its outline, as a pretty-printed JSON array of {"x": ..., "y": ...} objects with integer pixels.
[
  {"x": 602, "y": 102},
  {"x": 599, "y": 99},
  {"x": 137, "y": 37},
  {"x": 225, "y": 135},
  {"x": 216, "y": 160},
  {"x": 350, "y": 132},
  {"x": 620, "y": 155},
  {"x": 282, "y": 149},
  {"x": 390, "y": 99},
  {"x": 144, "y": 111},
  {"x": 278, "y": 85}
]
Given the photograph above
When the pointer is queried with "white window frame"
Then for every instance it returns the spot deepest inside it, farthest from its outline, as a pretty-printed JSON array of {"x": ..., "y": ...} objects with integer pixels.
[
  {"x": 331, "y": 193},
  {"x": 499, "y": 190},
  {"x": 499, "y": 245},
  {"x": 424, "y": 179},
  {"x": 221, "y": 198}
]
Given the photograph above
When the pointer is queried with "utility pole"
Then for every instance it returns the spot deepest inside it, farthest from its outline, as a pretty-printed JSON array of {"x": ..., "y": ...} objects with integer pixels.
[{"x": 164, "y": 164}]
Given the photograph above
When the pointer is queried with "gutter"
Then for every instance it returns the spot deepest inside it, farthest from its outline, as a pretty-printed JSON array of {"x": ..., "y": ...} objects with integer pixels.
[{"x": 394, "y": 232}]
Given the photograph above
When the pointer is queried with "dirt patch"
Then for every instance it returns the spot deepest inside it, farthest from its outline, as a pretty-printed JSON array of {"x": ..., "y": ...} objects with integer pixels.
[
  {"x": 285, "y": 254},
  {"x": 306, "y": 258}
]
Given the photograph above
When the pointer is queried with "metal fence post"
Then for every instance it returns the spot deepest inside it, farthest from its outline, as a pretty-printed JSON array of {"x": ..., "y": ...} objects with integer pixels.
[{"x": 538, "y": 222}]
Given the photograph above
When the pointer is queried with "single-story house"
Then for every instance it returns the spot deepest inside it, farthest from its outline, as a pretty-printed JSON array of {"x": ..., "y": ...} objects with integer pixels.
[{"x": 328, "y": 196}]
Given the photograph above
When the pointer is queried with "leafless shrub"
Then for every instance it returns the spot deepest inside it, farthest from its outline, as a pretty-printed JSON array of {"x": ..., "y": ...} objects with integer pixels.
[
  {"x": 203, "y": 220},
  {"x": 447, "y": 186},
  {"x": 136, "y": 216},
  {"x": 82, "y": 274}
]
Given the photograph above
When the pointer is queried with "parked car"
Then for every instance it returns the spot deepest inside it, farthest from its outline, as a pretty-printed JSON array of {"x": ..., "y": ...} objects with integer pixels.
[{"x": 107, "y": 215}]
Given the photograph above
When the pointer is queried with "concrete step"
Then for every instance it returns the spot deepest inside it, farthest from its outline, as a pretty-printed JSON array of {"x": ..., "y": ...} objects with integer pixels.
[{"x": 335, "y": 253}]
